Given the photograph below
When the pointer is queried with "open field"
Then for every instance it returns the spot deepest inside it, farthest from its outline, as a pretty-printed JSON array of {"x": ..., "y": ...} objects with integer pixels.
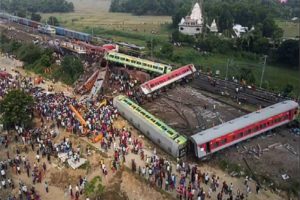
[
  {"x": 290, "y": 29},
  {"x": 95, "y": 13}
]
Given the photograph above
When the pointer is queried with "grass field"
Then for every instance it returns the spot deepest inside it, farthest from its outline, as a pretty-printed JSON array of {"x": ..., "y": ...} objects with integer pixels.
[
  {"x": 290, "y": 29},
  {"x": 95, "y": 13},
  {"x": 275, "y": 77}
]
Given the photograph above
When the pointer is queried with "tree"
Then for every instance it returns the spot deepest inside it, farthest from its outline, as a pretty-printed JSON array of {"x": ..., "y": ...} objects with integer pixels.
[
  {"x": 167, "y": 50},
  {"x": 287, "y": 90},
  {"x": 36, "y": 17},
  {"x": 21, "y": 13},
  {"x": 288, "y": 53},
  {"x": 45, "y": 60},
  {"x": 29, "y": 53},
  {"x": 247, "y": 75},
  {"x": 94, "y": 189},
  {"x": 72, "y": 67},
  {"x": 16, "y": 109},
  {"x": 53, "y": 21},
  {"x": 269, "y": 27}
]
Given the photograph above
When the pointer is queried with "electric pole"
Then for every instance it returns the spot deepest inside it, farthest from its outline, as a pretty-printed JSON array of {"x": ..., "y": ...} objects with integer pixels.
[
  {"x": 263, "y": 70},
  {"x": 228, "y": 62}
]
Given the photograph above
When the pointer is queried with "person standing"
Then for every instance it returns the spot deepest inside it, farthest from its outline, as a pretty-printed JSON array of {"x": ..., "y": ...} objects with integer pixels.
[
  {"x": 257, "y": 188},
  {"x": 46, "y": 186}
]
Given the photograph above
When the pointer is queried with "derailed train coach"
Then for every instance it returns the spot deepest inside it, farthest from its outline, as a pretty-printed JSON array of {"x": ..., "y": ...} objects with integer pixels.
[
  {"x": 160, "y": 133},
  {"x": 237, "y": 130}
]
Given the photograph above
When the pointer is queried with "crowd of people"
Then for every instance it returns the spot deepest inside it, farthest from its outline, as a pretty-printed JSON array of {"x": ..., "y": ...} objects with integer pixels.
[
  {"x": 125, "y": 84},
  {"x": 188, "y": 181}
]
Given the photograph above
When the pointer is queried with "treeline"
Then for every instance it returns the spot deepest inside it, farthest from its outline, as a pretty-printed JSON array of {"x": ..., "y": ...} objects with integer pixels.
[
  {"x": 144, "y": 7},
  {"x": 245, "y": 12},
  {"x": 44, "y": 6}
]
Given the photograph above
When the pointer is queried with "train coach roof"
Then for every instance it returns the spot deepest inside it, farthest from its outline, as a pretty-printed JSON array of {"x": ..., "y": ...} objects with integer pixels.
[
  {"x": 157, "y": 123},
  {"x": 243, "y": 121},
  {"x": 137, "y": 59}
]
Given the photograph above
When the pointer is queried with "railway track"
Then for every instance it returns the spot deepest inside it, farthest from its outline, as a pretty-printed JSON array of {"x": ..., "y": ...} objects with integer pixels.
[{"x": 236, "y": 91}]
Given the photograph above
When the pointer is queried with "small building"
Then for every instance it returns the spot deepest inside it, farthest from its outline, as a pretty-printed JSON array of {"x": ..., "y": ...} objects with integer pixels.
[
  {"x": 213, "y": 27},
  {"x": 193, "y": 24},
  {"x": 239, "y": 30}
]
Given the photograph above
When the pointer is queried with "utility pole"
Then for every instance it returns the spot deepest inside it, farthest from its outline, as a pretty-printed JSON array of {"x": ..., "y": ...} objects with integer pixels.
[
  {"x": 263, "y": 70},
  {"x": 151, "y": 47},
  {"x": 226, "y": 75}
]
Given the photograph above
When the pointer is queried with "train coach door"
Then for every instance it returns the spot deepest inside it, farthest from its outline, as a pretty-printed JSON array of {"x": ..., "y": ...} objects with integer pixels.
[{"x": 207, "y": 147}]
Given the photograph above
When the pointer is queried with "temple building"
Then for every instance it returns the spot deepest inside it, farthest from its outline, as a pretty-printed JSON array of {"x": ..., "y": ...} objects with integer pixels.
[{"x": 193, "y": 24}]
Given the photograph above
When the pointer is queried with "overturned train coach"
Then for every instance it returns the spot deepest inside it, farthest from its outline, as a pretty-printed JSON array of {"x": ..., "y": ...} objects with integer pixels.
[
  {"x": 160, "y": 133},
  {"x": 227, "y": 134}
]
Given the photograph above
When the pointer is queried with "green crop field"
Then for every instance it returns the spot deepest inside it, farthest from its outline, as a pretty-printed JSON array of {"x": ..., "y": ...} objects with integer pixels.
[
  {"x": 290, "y": 29},
  {"x": 95, "y": 14}
]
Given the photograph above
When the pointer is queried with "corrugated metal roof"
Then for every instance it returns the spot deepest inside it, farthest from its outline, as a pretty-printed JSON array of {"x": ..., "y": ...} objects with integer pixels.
[{"x": 243, "y": 121}]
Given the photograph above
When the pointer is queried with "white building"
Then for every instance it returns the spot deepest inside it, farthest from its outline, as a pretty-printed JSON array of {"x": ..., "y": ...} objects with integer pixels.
[
  {"x": 213, "y": 27},
  {"x": 193, "y": 24},
  {"x": 239, "y": 30}
]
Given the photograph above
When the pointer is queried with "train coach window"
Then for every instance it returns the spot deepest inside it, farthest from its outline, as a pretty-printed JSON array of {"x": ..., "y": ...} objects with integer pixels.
[
  {"x": 170, "y": 132},
  {"x": 216, "y": 144},
  {"x": 248, "y": 131},
  {"x": 241, "y": 134},
  {"x": 148, "y": 132},
  {"x": 158, "y": 140},
  {"x": 164, "y": 128},
  {"x": 169, "y": 149},
  {"x": 224, "y": 141}
]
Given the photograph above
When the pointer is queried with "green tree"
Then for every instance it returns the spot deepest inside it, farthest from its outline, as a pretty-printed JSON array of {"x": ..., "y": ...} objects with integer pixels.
[
  {"x": 29, "y": 53},
  {"x": 247, "y": 75},
  {"x": 53, "y": 21},
  {"x": 16, "y": 109},
  {"x": 287, "y": 90},
  {"x": 21, "y": 13},
  {"x": 45, "y": 60},
  {"x": 288, "y": 53},
  {"x": 94, "y": 189},
  {"x": 72, "y": 67},
  {"x": 167, "y": 50},
  {"x": 36, "y": 17}
]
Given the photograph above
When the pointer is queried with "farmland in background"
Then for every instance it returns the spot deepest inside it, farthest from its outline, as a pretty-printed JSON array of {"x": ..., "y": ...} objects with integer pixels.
[{"x": 94, "y": 14}]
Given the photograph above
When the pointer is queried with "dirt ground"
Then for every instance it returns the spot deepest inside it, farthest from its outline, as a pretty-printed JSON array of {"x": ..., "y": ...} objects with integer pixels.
[
  {"x": 275, "y": 160},
  {"x": 190, "y": 111}
]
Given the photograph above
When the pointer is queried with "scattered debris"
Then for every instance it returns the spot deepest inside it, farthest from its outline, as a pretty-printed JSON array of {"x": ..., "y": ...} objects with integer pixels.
[
  {"x": 290, "y": 149},
  {"x": 285, "y": 176}
]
